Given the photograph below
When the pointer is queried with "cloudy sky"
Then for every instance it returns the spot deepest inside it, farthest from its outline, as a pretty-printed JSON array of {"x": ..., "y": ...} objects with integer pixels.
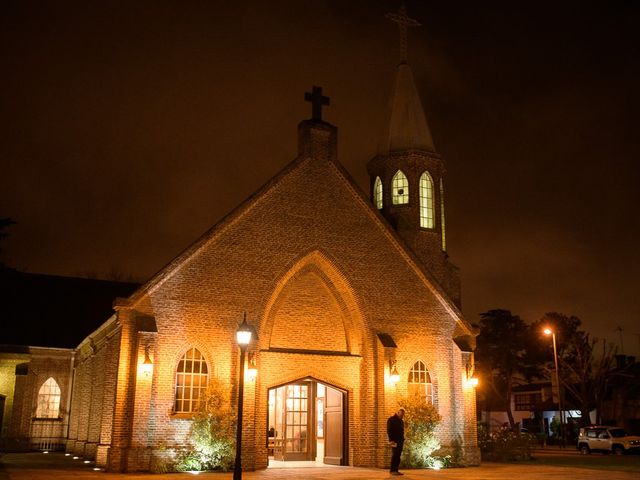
[{"x": 130, "y": 128}]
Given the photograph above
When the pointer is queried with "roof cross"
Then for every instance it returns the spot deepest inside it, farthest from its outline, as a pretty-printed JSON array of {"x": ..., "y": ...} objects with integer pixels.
[
  {"x": 317, "y": 101},
  {"x": 403, "y": 21}
]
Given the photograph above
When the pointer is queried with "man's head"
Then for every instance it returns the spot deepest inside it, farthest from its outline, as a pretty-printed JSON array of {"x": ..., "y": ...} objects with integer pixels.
[{"x": 400, "y": 413}]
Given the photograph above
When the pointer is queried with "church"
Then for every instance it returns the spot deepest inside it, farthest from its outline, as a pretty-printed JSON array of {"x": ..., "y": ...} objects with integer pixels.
[{"x": 351, "y": 296}]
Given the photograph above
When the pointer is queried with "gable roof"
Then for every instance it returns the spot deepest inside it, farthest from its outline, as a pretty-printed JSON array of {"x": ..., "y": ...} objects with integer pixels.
[{"x": 360, "y": 199}]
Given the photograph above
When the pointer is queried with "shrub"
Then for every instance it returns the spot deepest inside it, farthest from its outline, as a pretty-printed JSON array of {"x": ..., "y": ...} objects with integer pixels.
[
  {"x": 505, "y": 445},
  {"x": 421, "y": 419},
  {"x": 212, "y": 433}
]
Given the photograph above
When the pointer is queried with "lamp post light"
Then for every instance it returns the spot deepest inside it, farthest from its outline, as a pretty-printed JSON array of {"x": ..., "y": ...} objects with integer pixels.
[
  {"x": 548, "y": 331},
  {"x": 244, "y": 335}
]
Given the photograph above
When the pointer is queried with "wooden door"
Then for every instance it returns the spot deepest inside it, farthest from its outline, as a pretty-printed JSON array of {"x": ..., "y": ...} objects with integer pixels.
[{"x": 334, "y": 427}]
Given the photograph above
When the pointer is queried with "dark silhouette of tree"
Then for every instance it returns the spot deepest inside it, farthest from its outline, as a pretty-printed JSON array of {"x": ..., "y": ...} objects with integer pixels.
[
  {"x": 502, "y": 356},
  {"x": 585, "y": 363}
]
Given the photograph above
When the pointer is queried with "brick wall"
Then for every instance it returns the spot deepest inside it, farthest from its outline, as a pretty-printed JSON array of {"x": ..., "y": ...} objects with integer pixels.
[
  {"x": 23, "y": 430},
  {"x": 319, "y": 275}
]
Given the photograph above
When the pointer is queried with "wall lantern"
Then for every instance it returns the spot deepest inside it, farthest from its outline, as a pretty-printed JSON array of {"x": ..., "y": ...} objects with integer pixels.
[
  {"x": 252, "y": 368},
  {"x": 394, "y": 376},
  {"x": 472, "y": 380},
  {"x": 147, "y": 365}
]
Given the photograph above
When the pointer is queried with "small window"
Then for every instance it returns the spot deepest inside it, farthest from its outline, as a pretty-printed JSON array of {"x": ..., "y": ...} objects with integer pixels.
[
  {"x": 377, "y": 193},
  {"x": 420, "y": 382},
  {"x": 48, "y": 400},
  {"x": 192, "y": 377},
  {"x": 444, "y": 237},
  {"x": 399, "y": 188},
  {"x": 527, "y": 402},
  {"x": 426, "y": 201}
]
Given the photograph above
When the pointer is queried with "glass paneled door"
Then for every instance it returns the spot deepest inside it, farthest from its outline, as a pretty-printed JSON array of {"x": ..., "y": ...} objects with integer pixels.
[
  {"x": 297, "y": 422},
  {"x": 306, "y": 422}
]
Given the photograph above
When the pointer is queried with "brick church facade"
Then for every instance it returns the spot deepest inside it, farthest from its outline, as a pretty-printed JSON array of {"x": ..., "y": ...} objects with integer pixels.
[
  {"x": 342, "y": 292},
  {"x": 344, "y": 289}
]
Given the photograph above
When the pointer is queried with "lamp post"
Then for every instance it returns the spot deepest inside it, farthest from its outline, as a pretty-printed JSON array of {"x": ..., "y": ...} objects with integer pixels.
[
  {"x": 243, "y": 338},
  {"x": 548, "y": 331}
]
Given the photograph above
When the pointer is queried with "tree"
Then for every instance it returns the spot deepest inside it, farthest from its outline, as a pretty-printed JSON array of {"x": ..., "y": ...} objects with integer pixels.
[
  {"x": 502, "y": 355},
  {"x": 583, "y": 366}
]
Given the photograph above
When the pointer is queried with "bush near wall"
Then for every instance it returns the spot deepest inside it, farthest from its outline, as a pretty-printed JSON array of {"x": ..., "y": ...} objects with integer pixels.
[
  {"x": 421, "y": 419},
  {"x": 212, "y": 433}
]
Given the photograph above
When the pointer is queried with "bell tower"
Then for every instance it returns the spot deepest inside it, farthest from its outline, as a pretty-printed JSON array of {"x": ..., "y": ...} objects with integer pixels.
[{"x": 407, "y": 175}]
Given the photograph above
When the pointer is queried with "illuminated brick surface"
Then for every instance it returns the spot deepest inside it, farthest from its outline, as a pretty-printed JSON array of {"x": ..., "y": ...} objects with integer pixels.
[{"x": 320, "y": 273}]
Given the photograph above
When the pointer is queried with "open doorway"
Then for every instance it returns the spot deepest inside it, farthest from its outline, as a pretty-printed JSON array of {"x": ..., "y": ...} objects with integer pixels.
[{"x": 306, "y": 422}]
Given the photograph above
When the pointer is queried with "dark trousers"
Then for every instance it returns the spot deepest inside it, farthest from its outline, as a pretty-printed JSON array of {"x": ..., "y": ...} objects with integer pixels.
[{"x": 395, "y": 457}]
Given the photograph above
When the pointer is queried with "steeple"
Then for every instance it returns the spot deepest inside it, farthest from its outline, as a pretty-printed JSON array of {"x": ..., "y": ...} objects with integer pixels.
[
  {"x": 407, "y": 175},
  {"x": 406, "y": 127}
]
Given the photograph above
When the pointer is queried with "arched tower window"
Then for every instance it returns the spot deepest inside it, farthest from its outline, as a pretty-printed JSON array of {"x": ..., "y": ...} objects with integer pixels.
[
  {"x": 420, "y": 382},
  {"x": 48, "y": 400},
  {"x": 426, "y": 201},
  {"x": 377, "y": 193},
  {"x": 399, "y": 188},
  {"x": 444, "y": 238},
  {"x": 192, "y": 376}
]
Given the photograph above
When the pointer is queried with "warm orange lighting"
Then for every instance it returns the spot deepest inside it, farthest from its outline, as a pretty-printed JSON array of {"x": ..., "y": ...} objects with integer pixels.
[
  {"x": 547, "y": 331},
  {"x": 251, "y": 373},
  {"x": 251, "y": 370},
  {"x": 473, "y": 381},
  {"x": 394, "y": 377},
  {"x": 244, "y": 333},
  {"x": 146, "y": 368}
]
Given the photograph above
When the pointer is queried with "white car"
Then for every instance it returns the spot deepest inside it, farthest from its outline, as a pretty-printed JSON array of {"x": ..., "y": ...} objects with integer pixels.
[{"x": 606, "y": 439}]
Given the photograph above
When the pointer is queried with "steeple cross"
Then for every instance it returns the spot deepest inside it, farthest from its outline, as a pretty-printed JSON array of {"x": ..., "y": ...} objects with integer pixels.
[
  {"x": 403, "y": 21},
  {"x": 317, "y": 101}
]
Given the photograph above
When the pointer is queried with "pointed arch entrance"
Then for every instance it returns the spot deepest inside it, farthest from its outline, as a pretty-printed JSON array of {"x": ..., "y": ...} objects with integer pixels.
[{"x": 307, "y": 421}]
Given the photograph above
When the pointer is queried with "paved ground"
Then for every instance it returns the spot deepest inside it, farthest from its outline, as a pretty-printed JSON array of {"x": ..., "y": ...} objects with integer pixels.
[{"x": 55, "y": 466}]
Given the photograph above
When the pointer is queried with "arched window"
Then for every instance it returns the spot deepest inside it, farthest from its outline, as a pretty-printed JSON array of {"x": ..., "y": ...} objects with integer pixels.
[
  {"x": 399, "y": 188},
  {"x": 444, "y": 238},
  {"x": 48, "y": 400},
  {"x": 426, "y": 201},
  {"x": 377, "y": 193},
  {"x": 192, "y": 377},
  {"x": 420, "y": 382}
]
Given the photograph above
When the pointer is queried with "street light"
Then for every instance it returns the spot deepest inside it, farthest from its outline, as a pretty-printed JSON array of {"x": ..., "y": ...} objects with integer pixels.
[
  {"x": 548, "y": 331},
  {"x": 244, "y": 335}
]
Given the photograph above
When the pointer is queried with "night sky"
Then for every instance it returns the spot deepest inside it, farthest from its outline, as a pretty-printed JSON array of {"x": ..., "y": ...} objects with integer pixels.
[{"x": 129, "y": 128}]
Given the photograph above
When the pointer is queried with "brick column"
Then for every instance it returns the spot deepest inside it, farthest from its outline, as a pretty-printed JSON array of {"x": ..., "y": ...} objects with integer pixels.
[
  {"x": 108, "y": 399},
  {"x": 125, "y": 391}
]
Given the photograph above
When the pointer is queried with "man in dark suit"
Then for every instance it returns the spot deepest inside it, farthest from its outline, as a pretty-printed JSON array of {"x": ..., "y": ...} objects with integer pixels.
[{"x": 395, "y": 432}]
